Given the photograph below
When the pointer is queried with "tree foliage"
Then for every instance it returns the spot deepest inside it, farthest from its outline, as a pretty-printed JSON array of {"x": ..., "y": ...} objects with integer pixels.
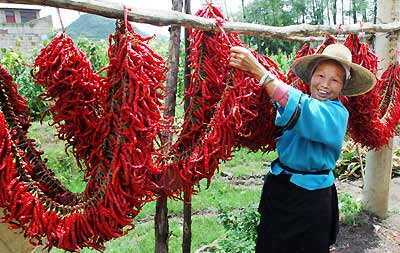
[
  {"x": 16, "y": 64},
  {"x": 292, "y": 12}
]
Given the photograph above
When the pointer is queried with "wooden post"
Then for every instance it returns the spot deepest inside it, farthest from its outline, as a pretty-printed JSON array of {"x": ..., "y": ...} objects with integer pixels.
[
  {"x": 161, "y": 226},
  {"x": 187, "y": 206},
  {"x": 378, "y": 171},
  {"x": 161, "y": 218}
]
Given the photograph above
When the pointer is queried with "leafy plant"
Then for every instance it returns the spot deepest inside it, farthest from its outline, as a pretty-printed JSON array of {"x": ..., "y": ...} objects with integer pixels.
[
  {"x": 240, "y": 230},
  {"x": 351, "y": 164},
  {"x": 96, "y": 52},
  {"x": 349, "y": 209},
  {"x": 17, "y": 65},
  {"x": 283, "y": 60}
]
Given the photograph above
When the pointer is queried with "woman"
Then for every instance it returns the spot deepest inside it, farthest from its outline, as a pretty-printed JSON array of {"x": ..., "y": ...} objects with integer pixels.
[{"x": 298, "y": 206}]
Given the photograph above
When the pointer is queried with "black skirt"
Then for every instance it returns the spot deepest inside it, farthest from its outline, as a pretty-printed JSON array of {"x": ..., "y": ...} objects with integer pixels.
[{"x": 294, "y": 219}]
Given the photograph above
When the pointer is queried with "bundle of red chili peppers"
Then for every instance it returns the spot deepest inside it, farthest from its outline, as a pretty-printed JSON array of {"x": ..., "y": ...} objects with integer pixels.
[
  {"x": 95, "y": 117},
  {"x": 374, "y": 115},
  {"x": 226, "y": 109},
  {"x": 70, "y": 81}
]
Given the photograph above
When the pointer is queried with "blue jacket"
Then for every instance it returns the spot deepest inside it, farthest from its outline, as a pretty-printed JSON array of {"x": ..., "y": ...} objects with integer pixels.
[{"x": 314, "y": 141}]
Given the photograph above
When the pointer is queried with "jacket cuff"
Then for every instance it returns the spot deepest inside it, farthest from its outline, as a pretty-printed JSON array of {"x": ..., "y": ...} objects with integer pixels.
[{"x": 287, "y": 117}]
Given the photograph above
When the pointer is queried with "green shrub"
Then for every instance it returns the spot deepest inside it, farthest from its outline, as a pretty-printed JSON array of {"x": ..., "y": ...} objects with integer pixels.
[
  {"x": 17, "y": 65},
  {"x": 240, "y": 230},
  {"x": 284, "y": 61},
  {"x": 349, "y": 209},
  {"x": 96, "y": 52}
]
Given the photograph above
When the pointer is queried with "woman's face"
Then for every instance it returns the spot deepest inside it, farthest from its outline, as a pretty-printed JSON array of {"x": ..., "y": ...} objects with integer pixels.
[{"x": 327, "y": 80}]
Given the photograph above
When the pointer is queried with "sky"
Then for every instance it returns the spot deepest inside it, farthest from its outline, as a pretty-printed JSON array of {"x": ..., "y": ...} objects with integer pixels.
[{"x": 68, "y": 16}]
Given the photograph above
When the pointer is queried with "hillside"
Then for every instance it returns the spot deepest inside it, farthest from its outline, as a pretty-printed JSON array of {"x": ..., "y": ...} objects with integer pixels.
[{"x": 95, "y": 27}]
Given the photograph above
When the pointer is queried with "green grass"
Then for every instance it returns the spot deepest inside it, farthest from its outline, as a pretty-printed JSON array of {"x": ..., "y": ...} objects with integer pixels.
[
  {"x": 248, "y": 163},
  {"x": 62, "y": 163},
  {"x": 141, "y": 239},
  {"x": 220, "y": 196}
]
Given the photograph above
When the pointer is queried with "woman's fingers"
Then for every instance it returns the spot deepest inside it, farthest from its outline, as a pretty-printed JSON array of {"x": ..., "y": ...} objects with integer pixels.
[
  {"x": 242, "y": 58},
  {"x": 236, "y": 57}
]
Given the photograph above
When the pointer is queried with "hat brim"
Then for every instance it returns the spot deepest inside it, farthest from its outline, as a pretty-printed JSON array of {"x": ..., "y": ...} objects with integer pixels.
[{"x": 361, "y": 81}]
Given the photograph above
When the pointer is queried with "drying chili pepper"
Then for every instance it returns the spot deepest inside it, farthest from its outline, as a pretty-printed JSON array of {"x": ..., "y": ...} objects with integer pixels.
[
  {"x": 225, "y": 111},
  {"x": 110, "y": 124},
  {"x": 364, "y": 126}
]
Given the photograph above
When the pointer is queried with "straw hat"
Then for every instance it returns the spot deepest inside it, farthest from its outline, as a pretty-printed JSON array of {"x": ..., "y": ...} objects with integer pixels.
[{"x": 361, "y": 80}]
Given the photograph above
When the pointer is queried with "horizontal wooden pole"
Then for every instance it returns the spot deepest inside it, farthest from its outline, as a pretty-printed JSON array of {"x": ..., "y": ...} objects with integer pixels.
[{"x": 163, "y": 18}]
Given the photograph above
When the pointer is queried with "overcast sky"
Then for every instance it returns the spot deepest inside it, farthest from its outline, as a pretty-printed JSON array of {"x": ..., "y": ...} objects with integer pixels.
[{"x": 68, "y": 16}]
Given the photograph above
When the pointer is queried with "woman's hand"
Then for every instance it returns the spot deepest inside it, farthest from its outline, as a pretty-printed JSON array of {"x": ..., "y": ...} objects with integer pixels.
[{"x": 243, "y": 59}]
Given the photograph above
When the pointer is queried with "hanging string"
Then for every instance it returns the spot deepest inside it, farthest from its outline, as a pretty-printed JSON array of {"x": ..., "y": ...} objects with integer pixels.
[
  {"x": 59, "y": 16},
  {"x": 125, "y": 9},
  {"x": 341, "y": 29},
  {"x": 362, "y": 31},
  {"x": 219, "y": 22}
]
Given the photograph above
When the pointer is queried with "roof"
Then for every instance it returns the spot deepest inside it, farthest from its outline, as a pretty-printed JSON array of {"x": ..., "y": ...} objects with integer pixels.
[{"x": 20, "y": 7}]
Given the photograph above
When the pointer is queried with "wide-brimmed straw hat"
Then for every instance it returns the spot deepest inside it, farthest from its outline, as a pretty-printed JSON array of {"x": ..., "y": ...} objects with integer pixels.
[{"x": 361, "y": 80}]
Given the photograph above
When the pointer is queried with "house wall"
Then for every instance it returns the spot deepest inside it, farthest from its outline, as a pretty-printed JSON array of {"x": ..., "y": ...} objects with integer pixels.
[{"x": 24, "y": 36}]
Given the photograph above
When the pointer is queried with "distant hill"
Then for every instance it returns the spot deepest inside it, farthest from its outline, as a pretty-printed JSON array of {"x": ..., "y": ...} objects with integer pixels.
[{"x": 95, "y": 27}]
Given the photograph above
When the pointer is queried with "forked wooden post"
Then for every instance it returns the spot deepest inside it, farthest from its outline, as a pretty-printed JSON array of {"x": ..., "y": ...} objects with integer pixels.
[{"x": 161, "y": 217}]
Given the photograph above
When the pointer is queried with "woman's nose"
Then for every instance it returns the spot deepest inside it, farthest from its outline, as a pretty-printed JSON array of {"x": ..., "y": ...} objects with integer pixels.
[{"x": 324, "y": 83}]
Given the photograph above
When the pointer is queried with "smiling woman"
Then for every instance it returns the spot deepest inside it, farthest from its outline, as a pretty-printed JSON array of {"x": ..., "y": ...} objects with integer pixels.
[{"x": 299, "y": 206}]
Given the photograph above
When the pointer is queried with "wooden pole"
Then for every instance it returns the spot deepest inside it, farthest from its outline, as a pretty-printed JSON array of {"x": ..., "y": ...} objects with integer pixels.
[
  {"x": 161, "y": 218},
  {"x": 378, "y": 171},
  {"x": 161, "y": 226},
  {"x": 187, "y": 205},
  {"x": 109, "y": 9}
]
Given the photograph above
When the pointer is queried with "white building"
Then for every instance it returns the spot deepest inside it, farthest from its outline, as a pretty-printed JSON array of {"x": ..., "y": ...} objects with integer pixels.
[{"x": 22, "y": 28}]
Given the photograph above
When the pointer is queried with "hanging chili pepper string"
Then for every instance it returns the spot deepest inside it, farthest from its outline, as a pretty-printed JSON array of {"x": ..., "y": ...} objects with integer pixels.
[
  {"x": 125, "y": 11},
  {"x": 119, "y": 165},
  {"x": 225, "y": 112},
  {"x": 61, "y": 23},
  {"x": 374, "y": 115}
]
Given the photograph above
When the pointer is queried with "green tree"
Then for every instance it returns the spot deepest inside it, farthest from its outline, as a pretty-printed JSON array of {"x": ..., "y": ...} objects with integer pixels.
[
  {"x": 96, "y": 52},
  {"x": 17, "y": 65},
  {"x": 269, "y": 12}
]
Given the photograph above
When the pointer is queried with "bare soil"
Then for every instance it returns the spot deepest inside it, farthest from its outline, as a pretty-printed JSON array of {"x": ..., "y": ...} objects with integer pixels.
[{"x": 371, "y": 234}]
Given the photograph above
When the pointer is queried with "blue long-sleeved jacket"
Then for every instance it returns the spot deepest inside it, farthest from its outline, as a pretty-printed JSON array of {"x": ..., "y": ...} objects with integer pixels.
[{"x": 315, "y": 140}]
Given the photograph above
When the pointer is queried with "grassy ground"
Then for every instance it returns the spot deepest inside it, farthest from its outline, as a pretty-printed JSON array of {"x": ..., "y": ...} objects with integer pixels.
[{"x": 223, "y": 195}]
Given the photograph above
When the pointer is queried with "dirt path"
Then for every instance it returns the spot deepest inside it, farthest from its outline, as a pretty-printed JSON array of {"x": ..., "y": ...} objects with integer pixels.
[{"x": 373, "y": 234}]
